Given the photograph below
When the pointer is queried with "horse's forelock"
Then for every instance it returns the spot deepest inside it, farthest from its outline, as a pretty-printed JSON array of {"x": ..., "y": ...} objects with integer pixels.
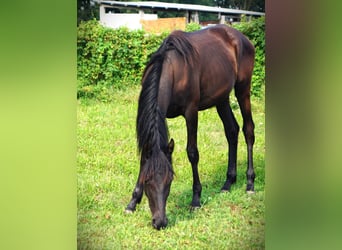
[{"x": 157, "y": 163}]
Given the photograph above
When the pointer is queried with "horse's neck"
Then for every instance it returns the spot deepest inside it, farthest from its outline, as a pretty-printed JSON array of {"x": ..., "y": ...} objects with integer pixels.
[{"x": 165, "y": 91}]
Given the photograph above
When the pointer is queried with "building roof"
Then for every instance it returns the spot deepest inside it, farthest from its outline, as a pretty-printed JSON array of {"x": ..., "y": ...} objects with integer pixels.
[{"x": 178, "y": 7}]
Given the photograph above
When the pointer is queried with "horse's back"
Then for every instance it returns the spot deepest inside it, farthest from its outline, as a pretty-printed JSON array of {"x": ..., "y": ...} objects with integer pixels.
[
  {"x": 223, "y": 57},
  {"x": 243, "y": 49},
  {"x": 222, "y": 39},
  {"x": 223, "y": 54}
]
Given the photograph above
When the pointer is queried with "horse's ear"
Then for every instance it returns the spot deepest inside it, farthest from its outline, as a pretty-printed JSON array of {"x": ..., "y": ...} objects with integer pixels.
[{"x": 171, "y": 146}]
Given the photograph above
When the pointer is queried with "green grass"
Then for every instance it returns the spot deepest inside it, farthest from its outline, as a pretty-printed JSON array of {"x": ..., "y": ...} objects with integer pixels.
[{"x": 107, "y": 169}]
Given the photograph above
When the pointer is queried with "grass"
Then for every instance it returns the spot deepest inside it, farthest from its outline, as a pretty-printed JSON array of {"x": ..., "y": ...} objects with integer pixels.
[{"x": 107, "y": 169}]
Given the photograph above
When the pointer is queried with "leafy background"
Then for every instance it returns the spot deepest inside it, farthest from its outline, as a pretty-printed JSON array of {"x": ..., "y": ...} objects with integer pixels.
[{"x": 110, "y": 59}]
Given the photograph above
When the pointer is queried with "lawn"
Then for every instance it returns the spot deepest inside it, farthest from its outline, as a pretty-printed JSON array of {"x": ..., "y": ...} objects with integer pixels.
[{"x": 107, "y": 169}]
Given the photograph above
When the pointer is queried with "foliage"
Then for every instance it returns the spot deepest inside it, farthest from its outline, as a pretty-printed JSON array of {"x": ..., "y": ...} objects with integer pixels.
[
  {"x": 255, "y": 31},
  {"x": 87, "y": 10},
  {"x": 109, "y": 59},
  {"x": 190, "y": 27},
  {"x": 255, "y": 5},
  {"x": 107, "y": 170}
]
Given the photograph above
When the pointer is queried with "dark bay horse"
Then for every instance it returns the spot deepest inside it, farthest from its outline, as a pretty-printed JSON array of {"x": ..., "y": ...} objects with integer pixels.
[{"x": 191, "y": 72}]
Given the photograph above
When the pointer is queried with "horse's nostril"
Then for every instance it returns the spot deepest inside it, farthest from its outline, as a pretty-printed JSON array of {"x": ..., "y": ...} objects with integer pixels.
[
  {"x": 154, "y": 224},
  {"x": 159, "y": 224}
]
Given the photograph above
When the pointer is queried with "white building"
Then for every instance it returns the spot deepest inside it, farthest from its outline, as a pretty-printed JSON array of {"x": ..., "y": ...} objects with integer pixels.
[
  {"x": 132, "y": 21},
  {"x": 116, "y": 20}
]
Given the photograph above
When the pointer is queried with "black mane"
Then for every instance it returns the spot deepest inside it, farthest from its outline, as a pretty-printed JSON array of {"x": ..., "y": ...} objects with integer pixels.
[{"x": 151, "y": 127}]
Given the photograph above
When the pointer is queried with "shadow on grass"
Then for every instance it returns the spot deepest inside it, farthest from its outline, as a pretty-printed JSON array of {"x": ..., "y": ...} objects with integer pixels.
[
  {"x": 212, "y": 178},
  {"x": 179, "y": 202},
  {"x": 178, "y": 206}
]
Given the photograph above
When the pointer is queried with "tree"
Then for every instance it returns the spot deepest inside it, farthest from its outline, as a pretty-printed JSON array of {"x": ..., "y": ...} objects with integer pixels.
[
  {"x": 251, "y": 5},
  {"x": 87, "y": 10}
]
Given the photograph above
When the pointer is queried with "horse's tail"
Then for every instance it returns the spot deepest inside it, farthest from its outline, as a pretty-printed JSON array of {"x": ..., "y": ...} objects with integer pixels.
[{"x": 151, "y": 126}]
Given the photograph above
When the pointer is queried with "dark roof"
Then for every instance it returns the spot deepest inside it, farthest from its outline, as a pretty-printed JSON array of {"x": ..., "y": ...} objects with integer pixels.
[{"x": 178, "y": 7}]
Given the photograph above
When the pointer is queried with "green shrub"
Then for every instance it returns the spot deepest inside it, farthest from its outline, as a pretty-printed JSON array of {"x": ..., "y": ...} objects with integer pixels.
[
  {"x": 190, "y": 27},
  {"x": 109, "y": 59}
]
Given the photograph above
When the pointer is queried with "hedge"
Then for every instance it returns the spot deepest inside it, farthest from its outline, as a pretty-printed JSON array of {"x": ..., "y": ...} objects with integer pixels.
[
  {"x": 111, "y": 58},
  {"x": 108, "y": 59}
]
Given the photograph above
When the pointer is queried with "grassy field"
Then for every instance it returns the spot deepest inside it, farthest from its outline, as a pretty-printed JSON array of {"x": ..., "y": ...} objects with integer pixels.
[{"x": 107, "y": 169}]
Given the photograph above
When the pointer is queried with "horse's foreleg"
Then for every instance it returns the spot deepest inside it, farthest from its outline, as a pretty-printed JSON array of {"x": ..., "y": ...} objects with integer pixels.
[
  {"x": 191, "y": 117},
  {"x": 231, "y": 129},
  {"x": 136, "y": 196},
  {"x": 242, "y": 92}
]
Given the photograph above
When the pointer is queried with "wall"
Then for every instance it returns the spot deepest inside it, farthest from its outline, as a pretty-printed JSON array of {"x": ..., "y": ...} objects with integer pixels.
[
  {"x": 164, "y": 24},
  {"x": 149, "y": 22}
]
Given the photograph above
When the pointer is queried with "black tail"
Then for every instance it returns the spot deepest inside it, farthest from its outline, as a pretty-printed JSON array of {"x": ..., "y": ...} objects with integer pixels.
[{"x": 151, "y": 125}]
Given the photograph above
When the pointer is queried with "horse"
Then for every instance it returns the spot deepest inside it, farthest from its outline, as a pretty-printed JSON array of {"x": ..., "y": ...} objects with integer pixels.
[{"x": 191, "y": 72}]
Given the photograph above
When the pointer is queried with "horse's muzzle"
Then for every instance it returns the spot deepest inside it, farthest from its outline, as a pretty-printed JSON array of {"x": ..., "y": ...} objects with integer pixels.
[{"x": 159, "y": 223}]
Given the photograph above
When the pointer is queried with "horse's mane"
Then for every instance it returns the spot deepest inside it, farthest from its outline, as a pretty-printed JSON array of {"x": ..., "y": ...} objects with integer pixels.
[{"x": 151, "y": 127}]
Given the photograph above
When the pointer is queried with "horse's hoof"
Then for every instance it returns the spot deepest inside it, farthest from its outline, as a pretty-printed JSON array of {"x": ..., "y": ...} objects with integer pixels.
[
  {"x": 249, "y": 192},
  {"x": 128, "y": 211},
  {"x": 194, "y": 208},
  {"x": 226, "y": 187},
  {"x": 225, "y": 190}
]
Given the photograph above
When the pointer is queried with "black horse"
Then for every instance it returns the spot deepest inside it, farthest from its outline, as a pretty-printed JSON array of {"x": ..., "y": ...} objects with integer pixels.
[{"x": 191, "y": 72}]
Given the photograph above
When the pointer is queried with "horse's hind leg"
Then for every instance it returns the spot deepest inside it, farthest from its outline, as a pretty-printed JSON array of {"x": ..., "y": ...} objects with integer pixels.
[
  {"x": 242, "y": 93},
  {"x": 231, "y": 129}
]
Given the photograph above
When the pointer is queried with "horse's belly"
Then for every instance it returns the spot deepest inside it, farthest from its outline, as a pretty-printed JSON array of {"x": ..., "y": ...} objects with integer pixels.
[
  {"x": 211, "y": 101},
  {"x": 174, "y": 111},
  {"x": 212, "y": 93}
]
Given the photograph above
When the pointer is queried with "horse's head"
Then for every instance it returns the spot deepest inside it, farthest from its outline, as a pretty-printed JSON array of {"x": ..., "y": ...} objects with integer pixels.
[{"x": 157, "y": 183}]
